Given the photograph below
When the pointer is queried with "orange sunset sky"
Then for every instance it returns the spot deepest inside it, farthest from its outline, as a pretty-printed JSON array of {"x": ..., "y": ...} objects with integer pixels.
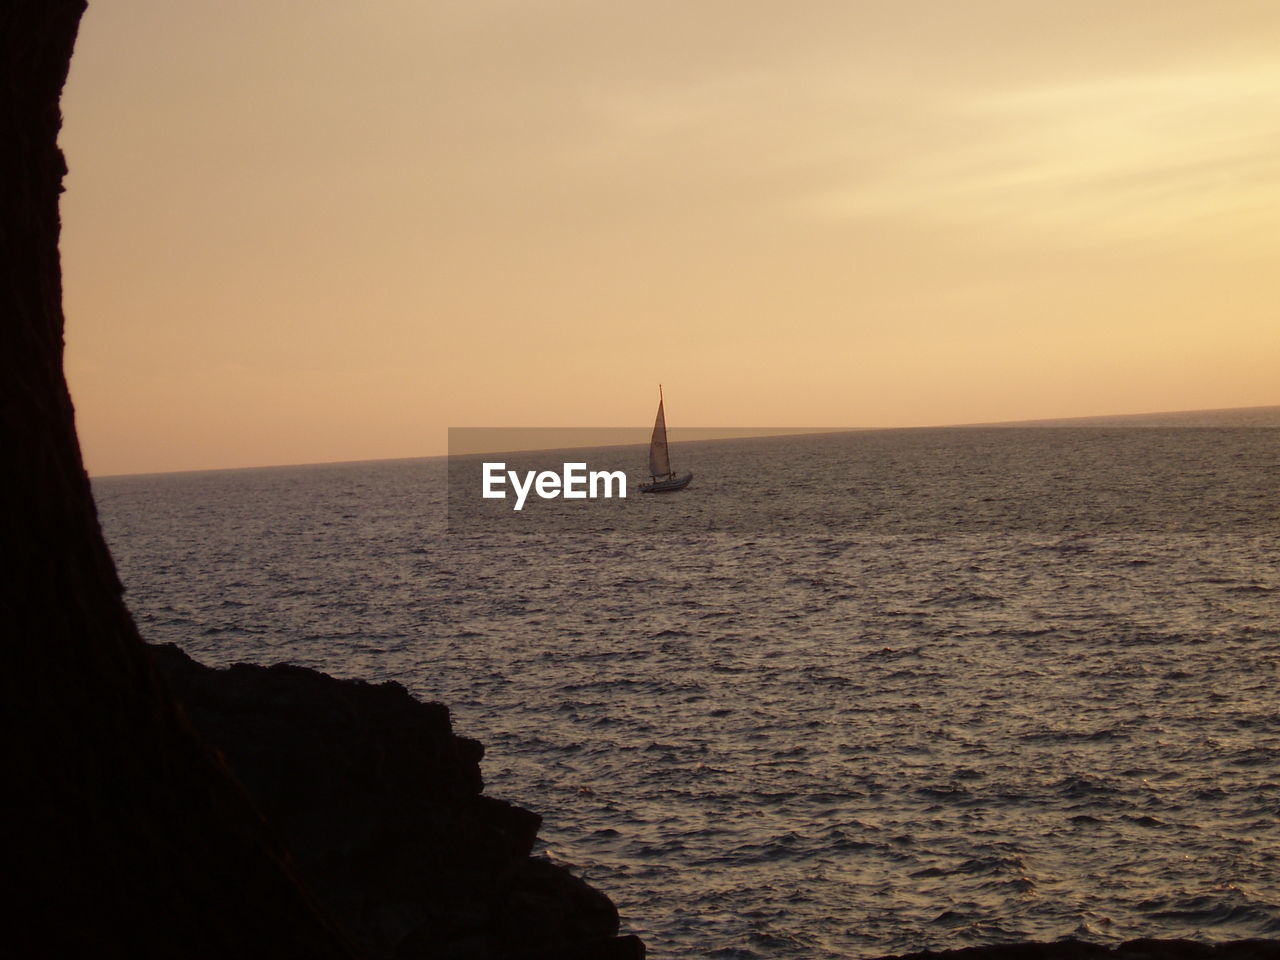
[{"x": 310, "y": 231}]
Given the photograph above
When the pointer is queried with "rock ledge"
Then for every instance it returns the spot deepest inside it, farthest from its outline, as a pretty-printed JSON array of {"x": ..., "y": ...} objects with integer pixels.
[
  {"x": 379, "y": 804},
  {"x": 1145, "y": 949}
]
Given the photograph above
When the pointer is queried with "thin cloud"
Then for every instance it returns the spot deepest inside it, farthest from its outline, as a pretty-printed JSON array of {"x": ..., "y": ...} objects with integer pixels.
[{"x": 1130, "y": 156}]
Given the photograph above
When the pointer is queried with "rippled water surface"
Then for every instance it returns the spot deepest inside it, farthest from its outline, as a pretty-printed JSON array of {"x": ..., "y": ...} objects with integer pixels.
[{"x": 928, "y": 689}]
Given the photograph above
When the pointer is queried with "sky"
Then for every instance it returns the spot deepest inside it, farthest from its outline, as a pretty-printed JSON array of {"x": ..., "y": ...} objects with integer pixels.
[{"x": 311, "y": 231}]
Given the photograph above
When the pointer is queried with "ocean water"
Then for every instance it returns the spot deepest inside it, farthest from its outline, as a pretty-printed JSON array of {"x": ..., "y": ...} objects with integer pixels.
[{"x": 846, "y": 695}]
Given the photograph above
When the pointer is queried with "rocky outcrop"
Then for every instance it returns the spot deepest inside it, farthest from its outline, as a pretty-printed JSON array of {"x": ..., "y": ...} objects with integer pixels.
[
  {"x": 380, "y": 805},
  {"x": 1130, "y": 950}
]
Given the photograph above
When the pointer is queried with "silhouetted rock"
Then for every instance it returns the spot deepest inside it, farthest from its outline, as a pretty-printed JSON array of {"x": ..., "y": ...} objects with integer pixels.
[
  {"x": 1130, "y": 950},
  {"x": 121, "y": 835},
  {"x": 380, "y": 805}
]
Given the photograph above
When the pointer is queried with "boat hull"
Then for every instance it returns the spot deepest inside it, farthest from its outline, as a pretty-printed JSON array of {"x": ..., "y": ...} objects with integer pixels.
[{"x": 666, "y": 486}]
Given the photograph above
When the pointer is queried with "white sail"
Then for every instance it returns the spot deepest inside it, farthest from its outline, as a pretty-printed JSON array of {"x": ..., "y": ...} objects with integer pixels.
[{"x": 659, "y": 462}]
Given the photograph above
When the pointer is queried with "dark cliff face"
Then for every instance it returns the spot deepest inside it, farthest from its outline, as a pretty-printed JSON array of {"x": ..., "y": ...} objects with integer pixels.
[
  {"x": 121, "y": 833},
  {"x": 379, "y": 803}
]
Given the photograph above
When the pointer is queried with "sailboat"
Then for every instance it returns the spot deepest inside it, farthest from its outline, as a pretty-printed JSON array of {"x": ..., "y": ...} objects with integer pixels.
[{"x": 662, "y": 477}]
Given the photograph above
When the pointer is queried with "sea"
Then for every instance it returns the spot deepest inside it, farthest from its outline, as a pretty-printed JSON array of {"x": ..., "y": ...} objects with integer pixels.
[{"x": 848, "y": 694}]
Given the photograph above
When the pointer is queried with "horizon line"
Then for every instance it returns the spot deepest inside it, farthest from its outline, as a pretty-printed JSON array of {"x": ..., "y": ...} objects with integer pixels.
[{"x": 754, "y": 432}]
